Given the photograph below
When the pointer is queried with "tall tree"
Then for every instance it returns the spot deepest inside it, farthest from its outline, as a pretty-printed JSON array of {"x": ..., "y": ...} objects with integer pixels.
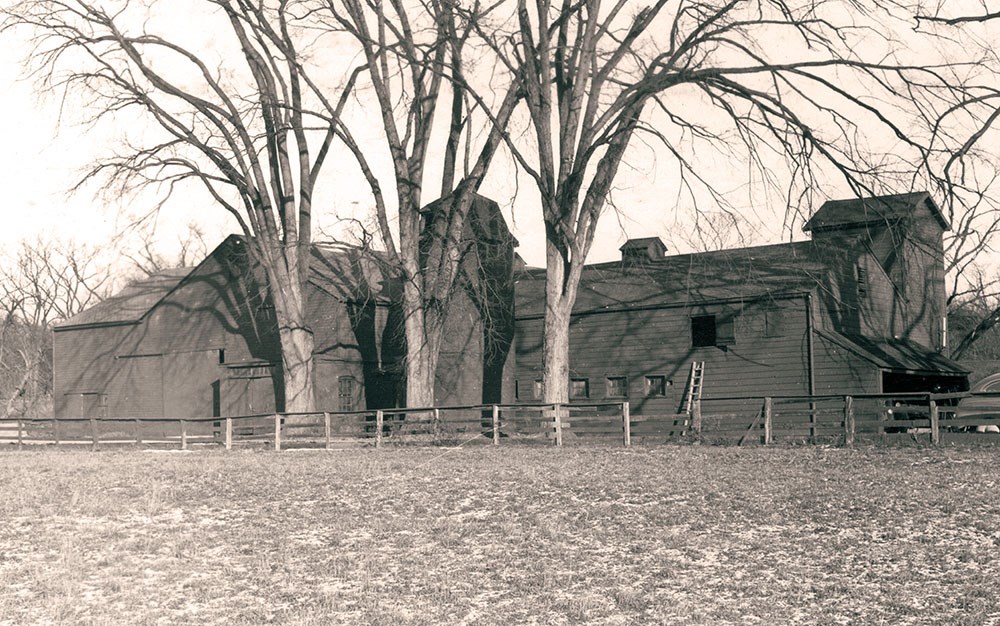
[
  {"x": 415, "y": 56},
  {"x": 971, "y": 172},
  {"x": 238, "y": 113},
  {"x": 788, "y": 91}
]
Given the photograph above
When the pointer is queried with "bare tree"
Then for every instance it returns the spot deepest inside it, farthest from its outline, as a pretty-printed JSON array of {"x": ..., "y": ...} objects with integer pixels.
[
  {"x": 46, "y": 283},
  {"x": 415, "y": 58},
  {"x": 970, "y": 174},
  {"x": 148, "y": 259},
  {"x": 791, "y": 92},
  {"x": 242, "y": 116}
]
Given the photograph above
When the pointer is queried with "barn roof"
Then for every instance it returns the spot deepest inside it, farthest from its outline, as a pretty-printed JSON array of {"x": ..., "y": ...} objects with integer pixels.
[
  {"x": 897, "y": 354},
  {"x": 855, "y": 212},
  {"x": 132, "y": 302},
  {"x": 344, "y": 272},
  {"x": 737, "y": 274}
]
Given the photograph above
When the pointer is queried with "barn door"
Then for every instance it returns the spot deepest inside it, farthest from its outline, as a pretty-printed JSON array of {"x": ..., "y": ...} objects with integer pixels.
[{"x": 248, "y": 391}]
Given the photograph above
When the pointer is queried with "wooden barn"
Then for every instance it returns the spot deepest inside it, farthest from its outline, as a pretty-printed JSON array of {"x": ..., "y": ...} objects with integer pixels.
[
  {"x": 859, "y": 308},
  {"x": 203, "y": 342}
]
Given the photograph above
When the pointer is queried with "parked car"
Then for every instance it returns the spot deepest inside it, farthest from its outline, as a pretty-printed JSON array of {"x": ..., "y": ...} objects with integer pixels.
[{"x": 984, "y": 403}]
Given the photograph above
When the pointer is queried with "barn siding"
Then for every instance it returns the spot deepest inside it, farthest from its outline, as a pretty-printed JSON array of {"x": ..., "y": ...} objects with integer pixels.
[
  {"x": 840, "y": 371},
  {"x": 657, "y": 342}
]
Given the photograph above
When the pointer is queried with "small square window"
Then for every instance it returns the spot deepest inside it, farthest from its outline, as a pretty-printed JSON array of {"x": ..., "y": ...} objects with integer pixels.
[
  {"x": 536, "y": 390},
  {"x": 725, "y": 332},
  {"x": 862, "y": 282},
  {"x": 703, "y": 331},
  {"x": 617, "y": 387},
  {"x": 579, "y": 388},
  {"x": 656, "y": 386}
]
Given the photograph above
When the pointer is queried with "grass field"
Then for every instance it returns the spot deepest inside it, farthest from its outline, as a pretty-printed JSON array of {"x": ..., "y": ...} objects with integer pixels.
[{"x": 665, "y": 535}]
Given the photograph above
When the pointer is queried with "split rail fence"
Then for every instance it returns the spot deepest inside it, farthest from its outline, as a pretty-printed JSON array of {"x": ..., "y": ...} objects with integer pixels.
[{"x": 933, "y": 418}]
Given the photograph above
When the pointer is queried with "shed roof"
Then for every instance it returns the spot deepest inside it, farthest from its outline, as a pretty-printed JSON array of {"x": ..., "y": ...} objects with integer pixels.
[
  {"x": 896, "y": 354},
  {"x": 737, "y": 274},
  {"x": 855, "y": 212}
]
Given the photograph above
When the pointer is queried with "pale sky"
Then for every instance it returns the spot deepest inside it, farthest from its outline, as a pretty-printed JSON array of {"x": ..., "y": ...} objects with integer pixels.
[
  {"x": 44, "y": 159},
  {"x": 48, "y": 150}
]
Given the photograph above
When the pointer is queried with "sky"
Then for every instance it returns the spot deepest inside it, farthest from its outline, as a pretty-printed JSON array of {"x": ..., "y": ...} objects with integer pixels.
[{"x": 47, "y": 151}]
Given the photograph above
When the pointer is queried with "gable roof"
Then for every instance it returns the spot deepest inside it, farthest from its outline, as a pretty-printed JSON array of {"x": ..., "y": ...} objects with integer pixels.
[
  {"x": 854, "y": 212},
  {"x": 131, "y": 303},
  {"x": 737, "y": 274},
  {"x": 344, "y": 272}
]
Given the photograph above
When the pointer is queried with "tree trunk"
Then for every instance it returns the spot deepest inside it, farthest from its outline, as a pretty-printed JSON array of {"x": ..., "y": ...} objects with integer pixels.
[
  {"x": 297, "y": 365},
  {"x": 296, "y": 340},
  {"x": 559, "y": 299},
  {"x": 423, "y": 342}
]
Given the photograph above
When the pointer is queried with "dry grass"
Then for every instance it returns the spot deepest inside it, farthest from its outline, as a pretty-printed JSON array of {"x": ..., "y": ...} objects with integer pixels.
[{"x": 678, "y": 535}]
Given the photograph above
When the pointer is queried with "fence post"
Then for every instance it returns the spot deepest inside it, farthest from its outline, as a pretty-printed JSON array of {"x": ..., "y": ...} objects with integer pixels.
[
  {"x": 848, "y": 421},
  {"x": 557, "y": 409},
  {"x": 496, "y": 425},
  {"x": 20, "y": 435},
  {"x": 626, "y": 424},
  {"x": 436, "y": 426},
  {"x": 55, "y": 430},
  {"x": 696, "y": 416},
  {"x": 326, "y": 428},
  {"x": 768, "y": 423},
  {"x": 93, "y": 432},
  {"x": 935, "y": 424},
  {"x": 277, "y": 432},
  {"x": 229, "y": 433},
  {"x": 379, "y": 419},
  {"x": 138, "y": 432},
  {"x": 184, "y": 435}
]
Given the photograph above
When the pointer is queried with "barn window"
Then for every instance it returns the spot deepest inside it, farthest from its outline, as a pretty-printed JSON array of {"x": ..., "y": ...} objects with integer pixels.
[
  {"x": 703, "y": 331},
  {"x": 517, "y": 390},
  {"x": 774, "y": 323},
  {"x": 725, "y": 332},
  {"x": 617, "y": 387},
  {"x": 656, "y": 386},
  {"x": 345, "y": 393},
  {"x": 537, "y": 390},
  {"x": 710, "y": 330},
  {"x": 222, "y": 356},
  {"x": 862, "y": 282},
  {"x": 579, "y": 388}
]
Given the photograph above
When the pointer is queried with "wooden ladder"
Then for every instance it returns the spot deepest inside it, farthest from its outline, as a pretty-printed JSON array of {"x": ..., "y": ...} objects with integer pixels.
[{"x": 694, "y": 386}]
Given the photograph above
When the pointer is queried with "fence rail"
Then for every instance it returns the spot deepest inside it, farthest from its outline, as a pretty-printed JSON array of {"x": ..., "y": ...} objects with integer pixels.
[{"x": 762, "y": 420}]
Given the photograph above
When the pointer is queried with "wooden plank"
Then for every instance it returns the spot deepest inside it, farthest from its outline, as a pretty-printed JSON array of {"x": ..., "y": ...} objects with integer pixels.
[
  {"x": 935, "y": 430},
  {"x": 277, "y": 432},
  {"x": 184, "y": 435},
  {"x": 626, "y": 426},
  {"x": 379, "y": 420},
  {"x": 326, "y": 429},
  {"x": 768, "y": 421},
  {"x": 496, "y": 425},
  {"x": 849, "y": 426},
  {"x": 558, "y": 424},
  {"x": 970, "y": 421}
]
